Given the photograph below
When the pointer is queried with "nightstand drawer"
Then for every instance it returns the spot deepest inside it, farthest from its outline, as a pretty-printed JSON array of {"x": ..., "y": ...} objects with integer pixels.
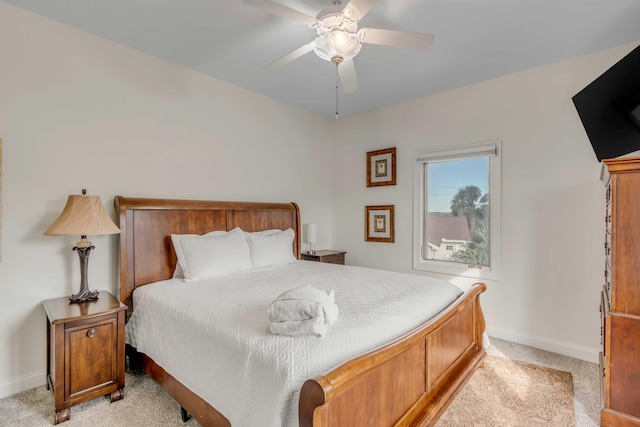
[
  {"x": 327, "y": 256},
  {"x": 334, "y": 259},
  {"x": 92, "y": 357}
]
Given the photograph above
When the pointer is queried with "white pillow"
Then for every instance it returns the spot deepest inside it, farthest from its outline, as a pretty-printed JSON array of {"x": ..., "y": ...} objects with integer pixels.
[
  {"x": 272, "y": 231},
  {"x": 203, "y": 257},
  {"x": 175, "y": 238},
  {"x": 273, "y": 248}
]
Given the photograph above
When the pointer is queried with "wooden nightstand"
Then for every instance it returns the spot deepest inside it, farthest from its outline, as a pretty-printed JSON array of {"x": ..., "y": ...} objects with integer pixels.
[
  {"x": 332, "y": 257},
  {"x": 85, "y": 351}
]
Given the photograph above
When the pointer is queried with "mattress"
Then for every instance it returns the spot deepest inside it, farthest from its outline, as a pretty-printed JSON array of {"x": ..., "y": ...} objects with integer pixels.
[{"x": 213, "y": 335}]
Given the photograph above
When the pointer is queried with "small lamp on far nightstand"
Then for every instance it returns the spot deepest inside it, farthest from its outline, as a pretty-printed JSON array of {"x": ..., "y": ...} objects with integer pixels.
[
  {"x": 310, "y": 236},
  {"x": 83, "y": 215}
]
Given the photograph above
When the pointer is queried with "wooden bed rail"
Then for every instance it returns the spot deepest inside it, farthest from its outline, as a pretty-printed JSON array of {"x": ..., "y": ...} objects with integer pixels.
[{"x": 409, "y": 381}]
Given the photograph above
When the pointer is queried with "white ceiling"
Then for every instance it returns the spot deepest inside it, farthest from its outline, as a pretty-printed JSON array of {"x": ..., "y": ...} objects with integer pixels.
[{"x": 475, "y": 40}]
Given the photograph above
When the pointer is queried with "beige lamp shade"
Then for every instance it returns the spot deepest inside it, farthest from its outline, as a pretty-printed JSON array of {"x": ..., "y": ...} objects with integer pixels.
[
  {"x": 82, "y": 215},
  {"x": 310, "y": 233}
]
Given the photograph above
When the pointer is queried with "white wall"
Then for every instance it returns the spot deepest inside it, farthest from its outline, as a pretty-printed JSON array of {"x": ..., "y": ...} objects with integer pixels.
[
  {"x": 76, "y": 112},
  {"x": 552, "y": 200}
]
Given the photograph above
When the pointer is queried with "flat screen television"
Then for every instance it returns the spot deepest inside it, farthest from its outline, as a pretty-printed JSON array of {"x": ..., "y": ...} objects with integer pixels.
[{"x": 609, "y": 108}]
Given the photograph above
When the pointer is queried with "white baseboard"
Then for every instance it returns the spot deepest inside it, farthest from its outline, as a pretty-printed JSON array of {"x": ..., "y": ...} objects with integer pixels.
[
  {"x": 23, "y": 383},
  {"x": 560, "y": 347}
]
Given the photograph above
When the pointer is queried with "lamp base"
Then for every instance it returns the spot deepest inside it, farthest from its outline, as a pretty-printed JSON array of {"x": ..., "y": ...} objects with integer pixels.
[
  {"x": 84, "y": 295},
  {"x": 83, "y": 252}
]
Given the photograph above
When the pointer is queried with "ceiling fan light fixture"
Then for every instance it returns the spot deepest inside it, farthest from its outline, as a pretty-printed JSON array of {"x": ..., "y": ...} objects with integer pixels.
[{"x": 337, "y": 43}]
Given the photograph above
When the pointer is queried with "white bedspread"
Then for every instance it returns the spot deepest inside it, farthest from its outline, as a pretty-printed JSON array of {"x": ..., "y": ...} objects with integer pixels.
[{"x": 213, "y": 335}]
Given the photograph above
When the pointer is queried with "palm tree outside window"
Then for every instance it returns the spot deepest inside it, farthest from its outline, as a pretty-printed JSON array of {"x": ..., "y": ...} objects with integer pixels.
[{"x": 456, "y": 210}]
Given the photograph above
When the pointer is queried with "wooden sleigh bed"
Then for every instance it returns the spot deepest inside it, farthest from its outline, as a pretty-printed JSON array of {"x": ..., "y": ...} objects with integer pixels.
[{"x": 410, "y": 381}]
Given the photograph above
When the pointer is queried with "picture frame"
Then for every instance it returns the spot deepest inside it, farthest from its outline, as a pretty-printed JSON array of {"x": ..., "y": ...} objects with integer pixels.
[
  {"x": 379, "y": 223},
  {"x": 381, "y": 167}
]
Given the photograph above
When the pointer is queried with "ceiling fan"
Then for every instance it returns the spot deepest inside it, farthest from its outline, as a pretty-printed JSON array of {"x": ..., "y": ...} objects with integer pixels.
[{"x": 339, "y": 38}]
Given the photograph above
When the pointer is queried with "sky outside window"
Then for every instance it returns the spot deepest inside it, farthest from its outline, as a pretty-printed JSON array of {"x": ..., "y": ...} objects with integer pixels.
[{"x": 444, "y": 179}]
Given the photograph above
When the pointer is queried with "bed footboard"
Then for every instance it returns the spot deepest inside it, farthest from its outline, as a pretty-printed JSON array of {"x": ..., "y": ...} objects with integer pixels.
[{"x": 408, "y": 382}]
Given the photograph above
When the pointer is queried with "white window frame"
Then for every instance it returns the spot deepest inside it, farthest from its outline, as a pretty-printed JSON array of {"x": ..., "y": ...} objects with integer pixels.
[{"x": 493, "y": 150}]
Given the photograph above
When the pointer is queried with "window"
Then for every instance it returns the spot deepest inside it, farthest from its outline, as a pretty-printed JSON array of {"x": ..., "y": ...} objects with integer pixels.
[{"x": 456, "y": 226}]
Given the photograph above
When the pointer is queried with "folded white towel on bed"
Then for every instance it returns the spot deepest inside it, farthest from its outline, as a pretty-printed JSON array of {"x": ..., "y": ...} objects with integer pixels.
[
  {"x": 301, "y": 303},
  {"x": 313, "y": 327},
  {"x": 308, "y": 306},
  {"x": 280, "y": 311},
  {"x": 307, "y": 293}
]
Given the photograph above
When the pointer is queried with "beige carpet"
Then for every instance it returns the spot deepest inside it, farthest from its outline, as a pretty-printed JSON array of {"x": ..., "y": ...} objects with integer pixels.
[
  {"x": 503, "y": 393},
  {"x": 507, "y": 392},
  {"x": 145, "y": 404}
]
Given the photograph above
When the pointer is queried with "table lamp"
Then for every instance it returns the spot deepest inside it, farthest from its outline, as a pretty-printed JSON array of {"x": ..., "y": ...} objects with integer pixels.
[
  {"x": 83, "y": 215},
  {"x": 310, "y": 236}
]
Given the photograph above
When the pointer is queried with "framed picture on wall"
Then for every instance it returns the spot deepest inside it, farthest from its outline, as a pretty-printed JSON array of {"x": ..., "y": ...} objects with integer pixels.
[
  {"x": 381, "y": 167},
  {"x": 379, "y": 222}
]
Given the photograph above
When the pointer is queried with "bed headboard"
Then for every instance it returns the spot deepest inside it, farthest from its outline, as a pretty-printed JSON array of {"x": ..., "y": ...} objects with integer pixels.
[{"x": 146, "y": 225}]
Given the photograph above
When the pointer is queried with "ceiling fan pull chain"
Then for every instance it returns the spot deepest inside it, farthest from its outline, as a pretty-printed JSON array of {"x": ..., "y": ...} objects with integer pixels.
[{"x": 337, "y": 89}]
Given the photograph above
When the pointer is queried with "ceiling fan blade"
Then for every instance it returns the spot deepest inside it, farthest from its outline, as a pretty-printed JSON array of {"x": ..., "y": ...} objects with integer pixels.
[
  {"x": 356, "y": 9},
  {"x": 284, "y": 11},
  {"x": 347, "y": 72},
  {"x": 395, "y": 38},
  {"x": 294, "y": 54}
]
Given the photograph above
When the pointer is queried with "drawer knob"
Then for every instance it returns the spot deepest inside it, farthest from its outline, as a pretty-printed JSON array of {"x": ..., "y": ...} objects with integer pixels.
[{"x": 91, "y": 333}]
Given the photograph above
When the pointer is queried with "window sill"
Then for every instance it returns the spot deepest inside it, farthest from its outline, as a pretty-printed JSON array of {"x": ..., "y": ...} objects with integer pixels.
[{"x": 455, "y": 269}]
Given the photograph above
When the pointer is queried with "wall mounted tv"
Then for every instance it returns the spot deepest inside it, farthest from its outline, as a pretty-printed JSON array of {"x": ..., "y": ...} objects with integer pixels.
[{"x": 609, "y": 108}]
